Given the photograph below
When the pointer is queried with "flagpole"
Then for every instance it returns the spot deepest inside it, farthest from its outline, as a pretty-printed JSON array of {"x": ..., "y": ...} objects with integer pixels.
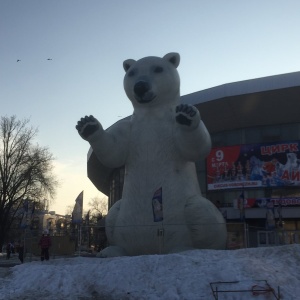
[
  {"x": 25, "y": 205},
  {"x": 79, "y": 228},
  {"x": 244, "y": 217},
  {"x": 24, "y": 242}
]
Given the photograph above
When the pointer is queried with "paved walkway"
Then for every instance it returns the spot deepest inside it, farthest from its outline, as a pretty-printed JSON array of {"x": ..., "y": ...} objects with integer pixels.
[
  {"x": 14, "y": 260},
  {"x": 6, "y": 264}
]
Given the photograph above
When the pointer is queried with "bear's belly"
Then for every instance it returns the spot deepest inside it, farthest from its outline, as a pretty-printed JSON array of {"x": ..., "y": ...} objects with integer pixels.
[
  {"x": 145, "y": 176},
  {"x": 153, "y": 163}
]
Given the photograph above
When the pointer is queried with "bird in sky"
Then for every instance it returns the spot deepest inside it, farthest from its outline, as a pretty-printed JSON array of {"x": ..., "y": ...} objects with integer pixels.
[
  {"x": 49, "y": 58},
  {"x": 18, "y": 60}
]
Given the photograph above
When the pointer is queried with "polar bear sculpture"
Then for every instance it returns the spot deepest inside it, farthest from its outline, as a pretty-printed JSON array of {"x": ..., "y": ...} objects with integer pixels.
[{"x": 162, "y": 209}]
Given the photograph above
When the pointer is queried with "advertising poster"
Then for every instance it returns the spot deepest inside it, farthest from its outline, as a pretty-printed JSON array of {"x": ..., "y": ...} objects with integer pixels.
[
  {"x": 255, "y": 165},
  {"x": 157, "y": 206},
  {"x": 236, "y": 236}
]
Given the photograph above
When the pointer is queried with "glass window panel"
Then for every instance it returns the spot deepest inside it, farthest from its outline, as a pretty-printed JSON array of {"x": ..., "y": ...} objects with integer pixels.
[
  {"x": 252, "y": 135},
  {"x": 289, "y": 132},
  {"x": 234, "y": 137}
]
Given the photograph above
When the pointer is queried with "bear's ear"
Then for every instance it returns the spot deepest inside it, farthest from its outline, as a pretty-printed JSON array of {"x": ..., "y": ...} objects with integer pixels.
[
  {"x": 173, "y": 58},
  {"x": 128, "y": 63}
]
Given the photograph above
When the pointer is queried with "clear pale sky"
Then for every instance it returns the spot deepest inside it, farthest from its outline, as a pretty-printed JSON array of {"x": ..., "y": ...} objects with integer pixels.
[{"x": 218, "y": 41}]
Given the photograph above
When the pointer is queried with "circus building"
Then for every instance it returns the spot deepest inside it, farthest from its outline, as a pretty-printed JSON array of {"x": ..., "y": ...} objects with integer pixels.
[{"x": 252, "y": 173}]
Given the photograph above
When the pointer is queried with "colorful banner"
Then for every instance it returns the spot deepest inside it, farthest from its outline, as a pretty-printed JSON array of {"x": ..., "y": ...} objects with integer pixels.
[{"x": 256, "y": 165}]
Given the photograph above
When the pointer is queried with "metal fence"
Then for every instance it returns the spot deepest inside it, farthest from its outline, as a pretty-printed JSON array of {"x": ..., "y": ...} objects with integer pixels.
[{"x": 92, "y": 239}]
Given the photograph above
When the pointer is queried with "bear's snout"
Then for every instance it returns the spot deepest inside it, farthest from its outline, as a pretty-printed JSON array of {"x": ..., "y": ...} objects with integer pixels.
[
  {"x": 142, "y": 91},
  {"x": 141, "y": 87}
]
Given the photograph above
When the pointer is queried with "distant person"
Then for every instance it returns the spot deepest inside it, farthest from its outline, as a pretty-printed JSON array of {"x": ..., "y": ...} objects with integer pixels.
[
  {"x": 12, "y": 248},
  {"x": 21, "y": 252},
  {"x": 45, "y": 244},
  {"x": 8, "y": 250}
]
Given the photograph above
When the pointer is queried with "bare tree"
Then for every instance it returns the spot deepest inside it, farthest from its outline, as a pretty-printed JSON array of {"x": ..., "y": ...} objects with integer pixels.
[
  {"x": 98, "y": 206},
  {"x": 95, "y": 222},
  {"x": 69, "y": 210},
  {"x": 25, "y": 171}
]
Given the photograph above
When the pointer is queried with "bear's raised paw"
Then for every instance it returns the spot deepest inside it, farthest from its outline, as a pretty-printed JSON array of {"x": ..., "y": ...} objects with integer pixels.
[
  {"x": 188, "y": 116},
  {"x": 87, "y": 126}
]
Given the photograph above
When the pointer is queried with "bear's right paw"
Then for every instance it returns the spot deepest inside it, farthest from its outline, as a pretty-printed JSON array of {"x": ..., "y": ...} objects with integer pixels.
[{"x": 87, "y": 126}]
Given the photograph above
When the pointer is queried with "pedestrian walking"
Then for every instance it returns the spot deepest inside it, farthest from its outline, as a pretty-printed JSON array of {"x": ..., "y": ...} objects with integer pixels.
[{"x": 45, "y": 244}]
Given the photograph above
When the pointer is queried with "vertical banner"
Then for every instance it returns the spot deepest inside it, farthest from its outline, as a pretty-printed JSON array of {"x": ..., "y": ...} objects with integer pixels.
[
  {"x": 23, "y": 224},
  {"x": 25, "y": 212},
  {"x": 157, "y": 206},
  {"x": 77, "y": 211}
]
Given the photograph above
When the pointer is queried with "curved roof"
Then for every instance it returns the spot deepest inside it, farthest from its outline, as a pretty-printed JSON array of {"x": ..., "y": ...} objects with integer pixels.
[{"x": 256, "y": 102}]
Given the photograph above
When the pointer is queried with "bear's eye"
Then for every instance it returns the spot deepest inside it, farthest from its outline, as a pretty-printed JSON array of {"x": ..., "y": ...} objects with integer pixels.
[
  {"x": 158, "y": 69},
  {"x": 131, "y": 73}
]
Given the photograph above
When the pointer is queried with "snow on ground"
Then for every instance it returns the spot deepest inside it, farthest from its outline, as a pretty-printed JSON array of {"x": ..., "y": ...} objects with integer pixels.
[{"x": 185, "y": 275}]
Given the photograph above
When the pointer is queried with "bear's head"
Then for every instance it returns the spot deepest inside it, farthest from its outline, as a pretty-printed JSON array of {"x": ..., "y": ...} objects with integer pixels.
[{"x": 152, "y": 81}]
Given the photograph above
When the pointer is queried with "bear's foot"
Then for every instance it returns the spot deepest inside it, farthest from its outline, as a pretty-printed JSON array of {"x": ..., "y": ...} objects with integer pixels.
[{"x": 112, "y": 251}]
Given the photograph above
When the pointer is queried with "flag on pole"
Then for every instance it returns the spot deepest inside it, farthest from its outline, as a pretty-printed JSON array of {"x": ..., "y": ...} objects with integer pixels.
[
  {"x": 77, "y": 211},
  {"x": 23, "y": 223},
  {"x": 87, "y": 218},
  {"x": 24, "y": 217}
]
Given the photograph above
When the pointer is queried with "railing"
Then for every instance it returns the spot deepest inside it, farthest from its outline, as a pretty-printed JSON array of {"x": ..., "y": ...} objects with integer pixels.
[{"x": 276, "y": 238}]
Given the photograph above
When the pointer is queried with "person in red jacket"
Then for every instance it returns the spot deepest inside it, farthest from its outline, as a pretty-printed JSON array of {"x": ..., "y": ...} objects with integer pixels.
[{"x": 45, "y": 244}]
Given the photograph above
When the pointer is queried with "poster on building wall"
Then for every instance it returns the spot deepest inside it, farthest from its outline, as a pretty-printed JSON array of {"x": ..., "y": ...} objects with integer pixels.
[
  {"x": 255, "y": 165},
  {"x": 236, "y": 238}
]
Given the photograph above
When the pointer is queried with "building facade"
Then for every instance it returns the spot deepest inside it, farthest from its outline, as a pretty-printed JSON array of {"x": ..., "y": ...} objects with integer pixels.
[{"x": 253, "y": 171}]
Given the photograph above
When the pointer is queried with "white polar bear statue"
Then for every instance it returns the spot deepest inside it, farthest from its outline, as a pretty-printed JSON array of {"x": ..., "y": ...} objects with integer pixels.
[{"x": 162, "y": 209}]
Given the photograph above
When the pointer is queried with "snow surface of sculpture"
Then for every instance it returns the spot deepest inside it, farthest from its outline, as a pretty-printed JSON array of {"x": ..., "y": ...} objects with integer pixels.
[{"x": 162, "y": 209}]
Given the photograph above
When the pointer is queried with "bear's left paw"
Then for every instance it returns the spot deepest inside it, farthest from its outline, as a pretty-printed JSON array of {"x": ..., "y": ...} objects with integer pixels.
[{"x": 187, "y": 115}]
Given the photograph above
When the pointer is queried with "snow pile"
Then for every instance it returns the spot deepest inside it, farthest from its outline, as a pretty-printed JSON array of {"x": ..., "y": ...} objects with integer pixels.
[{"x": 185, "y": 275}]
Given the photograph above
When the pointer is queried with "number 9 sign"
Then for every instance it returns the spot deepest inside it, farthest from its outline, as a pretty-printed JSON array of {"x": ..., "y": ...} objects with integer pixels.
[{"x": 219, "y": 155}]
